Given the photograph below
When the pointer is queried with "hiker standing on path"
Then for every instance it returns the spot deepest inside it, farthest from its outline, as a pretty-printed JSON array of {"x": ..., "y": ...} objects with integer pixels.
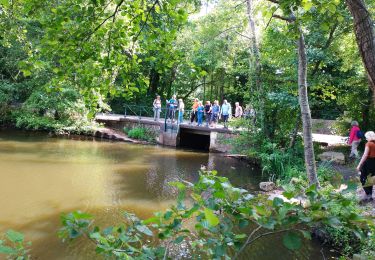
[
  {"x": 367, "y": 165},
  {"x": 238, "y": 111},
  {"x": 354, "y": 139},
  {"x": 157, "y": 108}
]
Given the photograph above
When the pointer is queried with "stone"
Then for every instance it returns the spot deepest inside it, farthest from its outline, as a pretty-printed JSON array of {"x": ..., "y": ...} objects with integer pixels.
[
  {"x": 267, "y": 185},
  {"x": 335, "y": 157}
]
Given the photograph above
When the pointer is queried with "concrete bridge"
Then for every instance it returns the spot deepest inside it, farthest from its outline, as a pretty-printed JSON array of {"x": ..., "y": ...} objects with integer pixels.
[{"x": 174, "y": 135}]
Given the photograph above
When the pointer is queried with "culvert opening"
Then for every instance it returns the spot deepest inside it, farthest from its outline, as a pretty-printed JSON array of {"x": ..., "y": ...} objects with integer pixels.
[{"x": 196, "y": 141}]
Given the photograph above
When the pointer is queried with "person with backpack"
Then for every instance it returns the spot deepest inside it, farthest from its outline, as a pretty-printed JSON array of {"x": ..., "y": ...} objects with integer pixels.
[
  {"x": 354, "y": 139},
  {"x": 366, "y": 166}
]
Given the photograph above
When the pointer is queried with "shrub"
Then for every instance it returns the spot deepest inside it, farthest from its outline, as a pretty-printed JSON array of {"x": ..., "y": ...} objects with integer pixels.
[
  {"x": 142, "y": 133},
  {"x": 220, "y": 221}
]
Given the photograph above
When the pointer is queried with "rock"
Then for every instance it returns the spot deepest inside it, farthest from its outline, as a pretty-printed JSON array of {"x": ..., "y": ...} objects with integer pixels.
[
  {"x": 267, "y": 185},
  {"x": 332, "y": 157}
]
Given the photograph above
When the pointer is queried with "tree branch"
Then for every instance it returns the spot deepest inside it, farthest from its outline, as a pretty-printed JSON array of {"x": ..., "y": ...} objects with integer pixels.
[
  {"x": 328, "y": 43},
  {"x": 247, "y": 241},
  {"x": 288, "y": 19},
  {"x": 195, "y": 87},
  {"x": 269, "y": 21},
  {"x": 105, "y": 20},
  {"x": 220, "y": 33},
  {"x": 247, "y": 37},
  {"x": 145, "y": 22}
]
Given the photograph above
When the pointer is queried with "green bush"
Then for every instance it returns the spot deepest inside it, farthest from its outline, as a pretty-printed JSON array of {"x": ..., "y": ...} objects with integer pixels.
[
  {"x": 220, "y": 221},
  {"x": 142, "y": 133},
  {"x": 13, "y": 245}
]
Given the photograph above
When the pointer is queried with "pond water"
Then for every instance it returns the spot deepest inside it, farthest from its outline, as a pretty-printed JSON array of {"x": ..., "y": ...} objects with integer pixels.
[{"x": 42, "y": 177}]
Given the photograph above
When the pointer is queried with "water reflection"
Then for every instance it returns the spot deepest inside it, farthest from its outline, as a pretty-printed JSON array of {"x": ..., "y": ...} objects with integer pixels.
[{"x": 41, "y": 177}]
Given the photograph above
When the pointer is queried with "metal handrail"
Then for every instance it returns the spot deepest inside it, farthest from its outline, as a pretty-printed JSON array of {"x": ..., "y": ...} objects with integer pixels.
[{"x": 147, "y": 111}]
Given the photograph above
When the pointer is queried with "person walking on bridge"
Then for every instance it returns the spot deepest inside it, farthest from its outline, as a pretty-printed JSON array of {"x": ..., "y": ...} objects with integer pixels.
[
  {"x": 225, "y": 111},
  {"x": 200, "y": 112},
  {"x": 181, "y": 108},
  {"x": 194, "y": 111},
  {"x": 172, "y": 105},
  {"x": 208, "y": 112},
  {"x": 157, "y": 108},
  {"x": 215, "y": 113}
]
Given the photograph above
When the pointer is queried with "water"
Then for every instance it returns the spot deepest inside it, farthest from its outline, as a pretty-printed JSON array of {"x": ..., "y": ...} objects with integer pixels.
[{"x": 41, "y": 177}]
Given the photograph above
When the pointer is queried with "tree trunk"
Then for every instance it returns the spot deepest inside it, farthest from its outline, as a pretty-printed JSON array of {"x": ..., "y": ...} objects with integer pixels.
[
  {"x": 258, "y": 68},
  {"x": 154, "y": 81},
  {"x": 365, "y": 36},
  {"x": 295, "y": 132},
  {"x": 305, "y": 112}
]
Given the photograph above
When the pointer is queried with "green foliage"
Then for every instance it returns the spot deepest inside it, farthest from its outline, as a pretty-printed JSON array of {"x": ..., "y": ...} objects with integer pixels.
[
  {"x": 274, "y": 156},
  {"x": 217, "y": 220},
  {"x": 13, "y": 245},
  {"x": 141, "y": 133}
]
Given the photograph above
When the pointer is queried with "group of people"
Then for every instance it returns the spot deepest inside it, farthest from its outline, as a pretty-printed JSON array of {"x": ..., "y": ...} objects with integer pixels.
[
  {"x": 209, "y": 112},
  {"x": 366, "y": 166}
]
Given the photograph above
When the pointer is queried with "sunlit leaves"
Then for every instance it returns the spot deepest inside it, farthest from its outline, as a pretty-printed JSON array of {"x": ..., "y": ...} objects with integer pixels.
[
  {"x": 216, "y": 225},
  {"x": 212, "y": 219}
]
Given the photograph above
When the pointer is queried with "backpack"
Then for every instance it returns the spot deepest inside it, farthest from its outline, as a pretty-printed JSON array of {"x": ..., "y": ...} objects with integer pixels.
[{"x": 359, "y": 134}]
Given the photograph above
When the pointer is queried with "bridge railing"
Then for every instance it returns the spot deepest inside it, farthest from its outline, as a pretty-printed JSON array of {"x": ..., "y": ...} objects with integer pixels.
[{"x": 148, "y": 112}]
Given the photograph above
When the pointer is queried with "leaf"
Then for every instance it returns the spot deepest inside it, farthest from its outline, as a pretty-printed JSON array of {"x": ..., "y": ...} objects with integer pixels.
[
  {"x": 7, "y": 250},
  {"x": 179, "y": 239},
  {"x": 80, "y": 215},
  {"x": 178, "y": 185},
  {"x": 144, "y": 229},
  {"x": 334, "y": 222},
  {"x": 288, "y": 194},
  {"x": 292, "y": 241},
  {"x": 168, "y": 215},
  {"x": 4, "y": 3},
  {"x": 107, "y": 231},
  {"x": 307, "y": 5},
  {"x": 211, "y": 218},
  {"x": 243, "y": 223},
  {"x": 324, "y": 26},
  {"x": 332, "y": 8},
  {"x": 306, "y": 234},
  {"x": 277, "y": 202},
  {"x": 95, "y": 235},
  {"x": 240, "y": 236},
  {"x": 26, "y": 73},
  {"x": 14, "y": 236}
]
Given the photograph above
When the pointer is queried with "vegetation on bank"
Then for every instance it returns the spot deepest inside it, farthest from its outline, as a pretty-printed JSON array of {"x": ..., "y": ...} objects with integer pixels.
[{"x": 141, "y": 133}]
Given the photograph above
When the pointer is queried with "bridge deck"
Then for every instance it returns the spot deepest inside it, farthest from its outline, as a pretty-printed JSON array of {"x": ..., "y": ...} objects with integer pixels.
[{"x": 149, "y": 120}]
